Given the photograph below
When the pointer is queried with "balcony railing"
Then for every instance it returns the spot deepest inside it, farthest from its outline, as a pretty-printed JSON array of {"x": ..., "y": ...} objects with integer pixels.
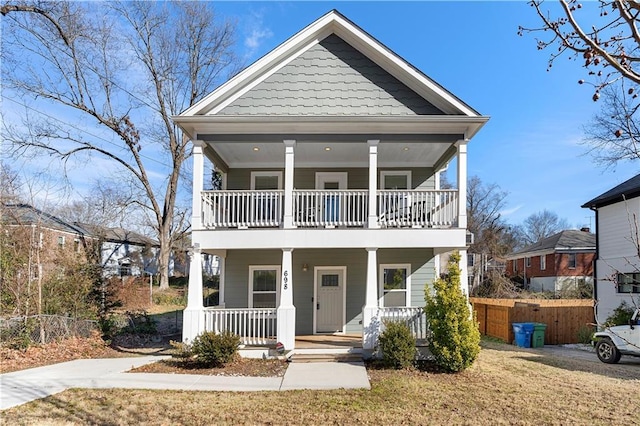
[
  {"x": 419, "y": 208},
  {"x": 254, "y": 326},
  {"x": 329, "y": 208},
  {"x": 242, "y": 209}
]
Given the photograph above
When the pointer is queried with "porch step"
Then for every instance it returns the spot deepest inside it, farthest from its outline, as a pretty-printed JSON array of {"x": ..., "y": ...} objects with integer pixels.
[{"x": 315, "y": 357}]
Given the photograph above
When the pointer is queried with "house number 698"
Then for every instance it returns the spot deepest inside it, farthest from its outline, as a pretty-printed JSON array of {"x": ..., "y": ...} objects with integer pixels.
[{"x": 286, "y": 279}]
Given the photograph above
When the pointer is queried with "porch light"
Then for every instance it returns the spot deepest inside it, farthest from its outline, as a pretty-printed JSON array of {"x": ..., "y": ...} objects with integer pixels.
[
  {"x": 256, "y": 149},
  {"x": 327, "y": 148},
  {"x": 406, "y": 148},
  {"x": 305, "y": 267}
]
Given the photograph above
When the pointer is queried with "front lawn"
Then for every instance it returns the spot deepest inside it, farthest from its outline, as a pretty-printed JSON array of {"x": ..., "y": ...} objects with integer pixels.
[{"x": 505, "y": 386}]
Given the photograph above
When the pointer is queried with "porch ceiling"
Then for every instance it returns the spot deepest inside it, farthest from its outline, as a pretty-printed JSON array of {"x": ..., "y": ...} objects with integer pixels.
[{"x": 238, "y": 151}]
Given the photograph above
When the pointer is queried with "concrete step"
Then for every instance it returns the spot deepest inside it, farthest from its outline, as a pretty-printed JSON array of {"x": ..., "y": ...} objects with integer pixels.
[{"x": 340, "y": 357}]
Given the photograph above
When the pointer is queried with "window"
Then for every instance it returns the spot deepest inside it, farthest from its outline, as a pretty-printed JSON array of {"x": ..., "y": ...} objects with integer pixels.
[
  {"x": 470, "y": 260},
  {"x": 572, "y": 260},
  {"x": 395, "y": 285},
  {"x": 261, "y": 181},
  {"x": 263, "y": 286},
  {"x": 527, "y": 261},
  {"x": 395, "y": 179},
  {"x": 543, "y": 262},
  {"x": 124, "y": 270},
  {"x": 515, "y": 265},
  {"x": 628, "y": 283},
  {"x": 61, "y": 241}
]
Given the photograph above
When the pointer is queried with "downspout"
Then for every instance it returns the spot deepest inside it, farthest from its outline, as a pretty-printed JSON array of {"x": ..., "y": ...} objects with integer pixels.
[{"x": 595, "y": 266}]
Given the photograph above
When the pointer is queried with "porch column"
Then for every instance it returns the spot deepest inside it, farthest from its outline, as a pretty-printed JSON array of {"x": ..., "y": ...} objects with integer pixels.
[
  {"x": 462, "y": 183},
  {"x": 198, "y": 184},
  {"x": 222, "y": 266},
  {"x": 370, "y": 322},
  {"x": 373, "y": 182},
  {"x": 289, "y": 146},
  {"x": 193, "y": 317},
  {"x": 464, "y": 275},
  {"x": 286, "y": 314}
]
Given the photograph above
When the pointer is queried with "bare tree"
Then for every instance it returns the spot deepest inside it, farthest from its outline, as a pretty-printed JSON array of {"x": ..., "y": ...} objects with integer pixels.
[
  {"x": 128, "y": 67},
  {"x": 541, "y": 225}
]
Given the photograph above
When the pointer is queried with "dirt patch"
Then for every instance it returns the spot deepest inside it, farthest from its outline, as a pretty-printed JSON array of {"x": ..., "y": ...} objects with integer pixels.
[
  {"x": 55, "y": 352},
  {"x": 239, "y": 367}
]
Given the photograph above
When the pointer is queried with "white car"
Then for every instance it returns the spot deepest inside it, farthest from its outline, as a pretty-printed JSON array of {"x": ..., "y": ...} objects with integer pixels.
[{"x": 619, "y": 340}]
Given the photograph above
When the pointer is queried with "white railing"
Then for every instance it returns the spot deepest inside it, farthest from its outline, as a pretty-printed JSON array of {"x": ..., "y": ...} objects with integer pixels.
[
  {"x": 242, "y": 208},
  {"x": 254, "y": 326},
  {"x": 417, "y": 208},
  {"x": 415, "y": 318},
  {"x": 330, "y": 207}
]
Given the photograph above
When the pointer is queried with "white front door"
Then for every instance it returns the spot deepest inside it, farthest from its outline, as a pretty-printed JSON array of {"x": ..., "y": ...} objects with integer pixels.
[{"x": 329, "y": 298}]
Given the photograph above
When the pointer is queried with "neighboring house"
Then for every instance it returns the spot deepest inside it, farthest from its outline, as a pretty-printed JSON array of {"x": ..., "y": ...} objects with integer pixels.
[
  {"x": 330, "y": 217},
  {"x": 557, "y": 263},
  {"x": 46, "y": 238},
  {"x": 617, "y": 267},
  {"x": 125, "y": 253}
]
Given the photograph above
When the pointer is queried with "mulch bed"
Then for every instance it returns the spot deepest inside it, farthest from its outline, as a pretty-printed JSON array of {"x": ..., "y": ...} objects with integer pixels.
[{"x": 239, "y": 367}]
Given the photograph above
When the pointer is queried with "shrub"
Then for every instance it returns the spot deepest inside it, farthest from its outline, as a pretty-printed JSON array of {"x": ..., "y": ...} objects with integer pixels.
[
  {"x": 181, "y": 350},
  {"x": 213, "y": 349},
  {"x": 620, "y": 316},
  {"x": 585, "y": 334},
  {"x": 398, "y": 345},
  {"x": 140, "y": 323},
  {"x": 455, "y": 338}
]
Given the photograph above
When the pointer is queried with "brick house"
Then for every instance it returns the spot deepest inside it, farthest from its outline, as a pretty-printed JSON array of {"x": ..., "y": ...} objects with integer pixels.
[{"x": 557, "y": 263}]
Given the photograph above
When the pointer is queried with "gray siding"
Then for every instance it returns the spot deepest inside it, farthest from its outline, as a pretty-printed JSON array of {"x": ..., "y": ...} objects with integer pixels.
[
  {"x": 305, "y": 178},
  {"x": 331, "y": 78},
  {"x": 237, "y": 276}
]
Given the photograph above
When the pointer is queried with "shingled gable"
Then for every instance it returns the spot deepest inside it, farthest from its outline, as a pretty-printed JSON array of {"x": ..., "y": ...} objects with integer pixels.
[{"x": 331, "y": 68}]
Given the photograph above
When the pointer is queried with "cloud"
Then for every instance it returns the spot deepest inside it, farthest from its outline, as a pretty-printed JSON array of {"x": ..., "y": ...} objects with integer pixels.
[
  {"x": 510, "y": 211},
  {"x": 257, "y": 32}
]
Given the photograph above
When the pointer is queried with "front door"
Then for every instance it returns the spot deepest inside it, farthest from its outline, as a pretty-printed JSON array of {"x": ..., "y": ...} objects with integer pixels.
[{"x": 329, "y": 299}]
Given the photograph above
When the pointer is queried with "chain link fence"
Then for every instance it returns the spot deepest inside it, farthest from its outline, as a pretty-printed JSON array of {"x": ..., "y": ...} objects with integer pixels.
[{"x": 39, "y": 329}]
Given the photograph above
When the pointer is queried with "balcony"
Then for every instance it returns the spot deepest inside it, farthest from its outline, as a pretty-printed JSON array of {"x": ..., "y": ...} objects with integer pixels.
[{"x": 244, "y": 209}]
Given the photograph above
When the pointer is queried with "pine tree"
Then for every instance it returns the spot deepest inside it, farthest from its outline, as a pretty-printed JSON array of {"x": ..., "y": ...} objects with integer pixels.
[{"x": 455, "y": 338}]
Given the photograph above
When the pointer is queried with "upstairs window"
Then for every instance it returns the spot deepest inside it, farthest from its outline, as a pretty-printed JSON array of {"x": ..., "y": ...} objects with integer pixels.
[
  {"x": 61, "y": 241},
  {"x": 571, "y": 260},
  {"x": 543, "y": 262}
]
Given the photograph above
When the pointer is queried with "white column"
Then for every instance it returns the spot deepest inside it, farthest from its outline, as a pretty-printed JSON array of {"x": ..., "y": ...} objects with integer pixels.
[
  {"x": 286, "y": 313},
  {"x": 193, "y": 316},
  {"x": 462, "y": 183},
  {"x": 289, "y": 147},
  {"x": 370, "y": 321},
  {"x": 464, "y": 277},
  {"x": 373, "y": 182},
  {"x": 198, "y": 184},
  {"x": 222, "y": 267}
]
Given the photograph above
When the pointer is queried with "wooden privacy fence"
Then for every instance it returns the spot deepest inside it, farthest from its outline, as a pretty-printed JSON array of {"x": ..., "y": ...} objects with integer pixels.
[{"x": 563, "y": 317}]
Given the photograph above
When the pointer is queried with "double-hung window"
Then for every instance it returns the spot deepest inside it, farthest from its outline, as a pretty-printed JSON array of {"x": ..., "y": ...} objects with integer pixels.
[
  {"x": 263, "y": 286},
  {"x": 571, "y": 260},
  {"x": 543, "y": 262},
  {"x": 628, "y": 283},
  {"x": 395, "y": 285}
]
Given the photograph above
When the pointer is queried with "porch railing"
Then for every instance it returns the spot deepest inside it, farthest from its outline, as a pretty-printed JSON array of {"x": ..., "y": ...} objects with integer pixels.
[
  {"x": 330, "y": 207},
  {"x": 417, "y": 208},
  {"x": 254, "y": 326},
  {"x": 242, "y": 208},
  {"x": 414, "y": 317}
]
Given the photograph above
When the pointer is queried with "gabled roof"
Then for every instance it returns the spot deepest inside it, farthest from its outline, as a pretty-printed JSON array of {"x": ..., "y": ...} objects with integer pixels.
[
  {"x": 25, "y": 214},
  {"x": 569, "y": 240},
  {"x": 118, "y": 235},
  {"x": 448, "y": 106},
  {"x": 625, "y": 191}
]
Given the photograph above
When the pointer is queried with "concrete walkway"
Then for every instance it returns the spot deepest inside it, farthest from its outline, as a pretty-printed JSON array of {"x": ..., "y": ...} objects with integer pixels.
[{"x": 20, "y": 387}]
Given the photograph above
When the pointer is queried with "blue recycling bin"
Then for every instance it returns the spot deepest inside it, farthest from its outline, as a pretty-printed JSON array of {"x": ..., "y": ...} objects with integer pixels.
[{"x": 523, "y": 332}]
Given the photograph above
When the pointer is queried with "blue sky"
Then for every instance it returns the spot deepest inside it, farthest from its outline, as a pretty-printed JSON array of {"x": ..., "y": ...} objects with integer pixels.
[{"x": 531, "y": 146}]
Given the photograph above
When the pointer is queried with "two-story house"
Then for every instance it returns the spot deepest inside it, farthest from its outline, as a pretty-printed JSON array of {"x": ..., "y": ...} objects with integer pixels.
[
  {"x": 330, "y": 217},
  {"x": 559, "y": 263},
  {"x": 617, "y": 266}
]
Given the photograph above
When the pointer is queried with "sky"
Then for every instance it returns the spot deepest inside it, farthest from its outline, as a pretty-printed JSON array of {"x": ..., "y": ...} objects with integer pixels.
[{"x": 531, "y": 146}]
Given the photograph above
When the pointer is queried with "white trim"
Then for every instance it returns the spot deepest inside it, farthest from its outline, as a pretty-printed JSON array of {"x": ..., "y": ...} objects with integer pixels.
[
  {"x": 261, "y": 173},
  {"x": 405, "y": 173},
  {"x": 341, "y": 177},
  {"x": 253, "y": 268},
  {"x": 383, "y": 266},
  {"x": 317, "y": 269}
]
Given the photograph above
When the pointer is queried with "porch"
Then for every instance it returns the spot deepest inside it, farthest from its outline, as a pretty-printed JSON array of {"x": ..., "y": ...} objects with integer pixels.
[{"x": 258, "y": 327}]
